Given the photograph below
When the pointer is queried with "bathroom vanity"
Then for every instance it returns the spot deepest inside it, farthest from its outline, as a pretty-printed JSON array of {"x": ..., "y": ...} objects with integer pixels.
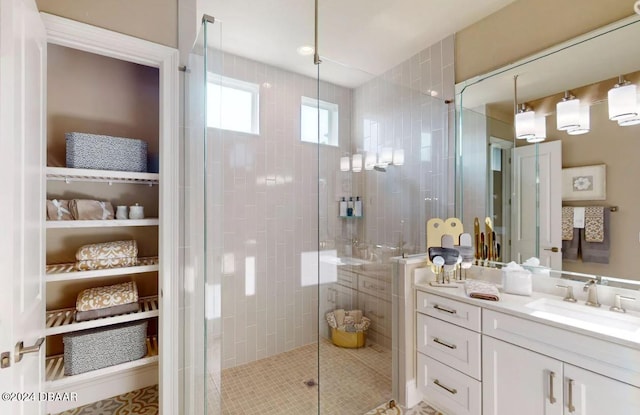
[{"x": 521, "y": 355}]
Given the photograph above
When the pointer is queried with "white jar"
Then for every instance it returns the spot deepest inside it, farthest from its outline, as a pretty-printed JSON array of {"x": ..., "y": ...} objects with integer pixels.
[
  {"x": 121, "y": 212},
  {"x": 136, "y": 212}
]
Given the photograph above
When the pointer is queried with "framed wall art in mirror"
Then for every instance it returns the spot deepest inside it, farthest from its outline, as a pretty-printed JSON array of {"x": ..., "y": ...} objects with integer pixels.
[{"x": 584, "y": 183}]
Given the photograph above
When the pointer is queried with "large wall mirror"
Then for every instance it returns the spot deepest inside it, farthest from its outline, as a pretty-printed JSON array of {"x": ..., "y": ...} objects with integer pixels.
[{"x": 523, "y": 186}]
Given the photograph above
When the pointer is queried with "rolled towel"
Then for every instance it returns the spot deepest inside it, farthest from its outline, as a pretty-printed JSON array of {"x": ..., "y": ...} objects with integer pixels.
[
  {"x": 356, "y": 315},
  {"x": 103, "y": 297},
  {"x": 107, "y": 255},
  {"x": 91, "y": 209},
  {"x": 339, "y": 314},
  {"x": 58, "y": 210},
  {"x": 481, "y": 290}
]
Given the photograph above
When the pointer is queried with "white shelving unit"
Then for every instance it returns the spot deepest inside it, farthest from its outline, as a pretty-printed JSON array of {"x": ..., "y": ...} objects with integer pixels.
[
  {"x": 59, "y": 224},
  {"x": 125, "y": 376},
  {"x": 68, "y": 271},
  {"x": 63, "y": 321}
]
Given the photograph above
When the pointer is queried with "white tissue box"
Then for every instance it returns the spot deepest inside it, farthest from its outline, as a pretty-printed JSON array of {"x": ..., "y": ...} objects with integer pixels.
[{"x": 517, "y": 282}]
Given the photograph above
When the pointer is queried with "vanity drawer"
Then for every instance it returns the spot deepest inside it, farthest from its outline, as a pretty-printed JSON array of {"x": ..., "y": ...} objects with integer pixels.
[
  {"x": 461, "y": 314},
  {"x": 447, "y": 389},
  {"x": 347, "y": 279},
  {"x": 452, "y": 345},
  {"x": 375, "y": 287}
]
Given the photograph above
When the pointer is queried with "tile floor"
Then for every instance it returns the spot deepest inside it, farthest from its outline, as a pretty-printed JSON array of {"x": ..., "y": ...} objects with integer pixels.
[{"x": 276, "y": 386}]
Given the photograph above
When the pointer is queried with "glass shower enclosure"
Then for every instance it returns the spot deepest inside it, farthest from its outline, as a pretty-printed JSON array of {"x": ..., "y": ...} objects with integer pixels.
[{"x": 301, "y": 187}]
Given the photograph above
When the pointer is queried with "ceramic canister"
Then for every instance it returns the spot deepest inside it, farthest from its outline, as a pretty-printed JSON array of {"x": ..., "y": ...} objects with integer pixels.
[
  {"x": 121, "y": 212},
  {"x": 136, "y": 212}
]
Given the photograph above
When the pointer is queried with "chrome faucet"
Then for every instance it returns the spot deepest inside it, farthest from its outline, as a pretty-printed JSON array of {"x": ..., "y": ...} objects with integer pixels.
[{"x": 592, "y": 293}]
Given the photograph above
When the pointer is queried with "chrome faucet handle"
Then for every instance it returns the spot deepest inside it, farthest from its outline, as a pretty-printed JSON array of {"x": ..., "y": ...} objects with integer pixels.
[
  {"x": 591, "y": 288},
  {"x": 617, "y": 305},
  {"x": 568, "y": 294}
]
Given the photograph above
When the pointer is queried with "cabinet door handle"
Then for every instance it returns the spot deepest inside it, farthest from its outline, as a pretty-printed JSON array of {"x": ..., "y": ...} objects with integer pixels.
[
  {"x": 552, "y": 376},
  {"x": 448, "y": 389},
  {"x": 446, "y": 310},
  {"x": 570, "y": 404},
  {"x": 445, "y": 344}
]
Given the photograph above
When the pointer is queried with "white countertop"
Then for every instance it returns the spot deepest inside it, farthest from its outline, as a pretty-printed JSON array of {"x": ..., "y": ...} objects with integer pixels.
[{"x": 517, "y": 305}]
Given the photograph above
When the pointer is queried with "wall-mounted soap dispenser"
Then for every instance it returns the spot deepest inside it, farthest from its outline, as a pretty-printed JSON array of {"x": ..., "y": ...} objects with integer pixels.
[
  {"x": 343, "y": 207},
  {"x": 350, "y": 206},
  {"x": 357, "y": 208}
]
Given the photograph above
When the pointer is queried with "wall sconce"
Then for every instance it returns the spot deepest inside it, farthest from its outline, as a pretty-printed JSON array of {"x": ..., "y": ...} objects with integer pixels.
[
  {"x": 584, "y": 122},
  {"x": 370, "y": 161},
  {"x": 525, "y": 123},
  {"x": 398, "y": 157},
  {"x": 356, "y": 163},
  {"x": 568, "y": 112},
  {"x": 344, "y": 163},
  {"x": 632, "y": 120},
  {"x": 622, "y": 100}
]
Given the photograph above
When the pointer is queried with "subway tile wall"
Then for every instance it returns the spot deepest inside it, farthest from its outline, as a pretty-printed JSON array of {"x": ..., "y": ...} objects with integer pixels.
[{"x": 271, "y": 198}]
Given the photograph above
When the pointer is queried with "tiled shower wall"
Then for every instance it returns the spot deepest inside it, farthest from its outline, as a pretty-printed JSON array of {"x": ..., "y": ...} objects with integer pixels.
[
  {"x": 267, "y": 214},
  {"x": 405, "y": 108}
]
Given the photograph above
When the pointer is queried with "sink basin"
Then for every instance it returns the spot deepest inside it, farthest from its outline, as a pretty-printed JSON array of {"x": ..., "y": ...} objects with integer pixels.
[{"x": 600, "y": 320}]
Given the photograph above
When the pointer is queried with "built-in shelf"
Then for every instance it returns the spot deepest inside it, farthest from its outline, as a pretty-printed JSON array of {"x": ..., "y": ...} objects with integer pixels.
[
  {"x": 100, "y": 176},
  {"x": 68, "y": 271},
  {"x": 63, "y": 321},
  {"x": 54, "y": 370},
  {"x": 66, "y": 224}
]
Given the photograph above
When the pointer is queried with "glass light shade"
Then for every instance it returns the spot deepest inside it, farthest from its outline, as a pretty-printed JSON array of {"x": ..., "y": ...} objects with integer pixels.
[
  {"x": 568, "y": 114},
  {"x": 525, "y": 125},
  {"x": 398, "y": 157},
  {"x": 344, "y": 163},
  {"x": 622, "y": 102},
  {"x": 386, "y": 155},
  {"x": 585, "y": 122},
  {"x": 540, "y": 131},
  {"x": 356, "y": 163},
  {"x": 370, "y": 161},
  {"x": 633, "y": 120}
]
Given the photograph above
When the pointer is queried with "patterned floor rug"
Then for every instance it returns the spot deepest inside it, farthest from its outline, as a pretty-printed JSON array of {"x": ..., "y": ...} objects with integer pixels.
[{"x": 138, "y": 402}]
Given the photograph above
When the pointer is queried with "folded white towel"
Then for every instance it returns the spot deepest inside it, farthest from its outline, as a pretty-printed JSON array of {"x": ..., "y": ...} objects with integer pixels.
[
  {"x": 481, "y": 290},
  {"x": 578, "y": 217}
]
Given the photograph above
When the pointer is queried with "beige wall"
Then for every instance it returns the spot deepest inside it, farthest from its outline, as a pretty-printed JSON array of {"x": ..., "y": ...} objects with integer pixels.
[
  {"x": 154, "y": 20},
  {"x": 526, "y": 27}
]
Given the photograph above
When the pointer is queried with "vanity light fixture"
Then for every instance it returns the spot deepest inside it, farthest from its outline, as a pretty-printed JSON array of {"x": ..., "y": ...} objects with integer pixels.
[
  {"x": 540, "y": 130},
  {"x": 568, "y": 112},
  {"x": 356, "y": 163},
  {"x": 585, "y": 122},
  {"x": 626, "y": 122},
  {"x": 622, "y": 100},
  {"x": 525, "y": 123},
  {"x": 344, "y": 163},
  {"x": 370, "y": 161},
  {"x": 386, "y": 156}
]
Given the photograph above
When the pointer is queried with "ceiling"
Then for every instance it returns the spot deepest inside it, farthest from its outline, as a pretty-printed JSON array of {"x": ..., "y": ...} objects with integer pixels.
[
  {"x": 358, "y": 39},
  {"x": 600, "y": 55}
]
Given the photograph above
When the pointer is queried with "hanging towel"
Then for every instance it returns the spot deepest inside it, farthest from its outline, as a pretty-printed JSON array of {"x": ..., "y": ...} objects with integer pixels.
[
  {"x": 594, "y": 224},
  {"x": 91, "y": 209},
  {"x": 567, "y": 223},
  {"x": 58, "y": 210},
  {"x": 578, "y": 217},
  {"x": 571, "y": 247},
  {"x": 597, "y": 252},
  {"x": 481, "y": 290}
]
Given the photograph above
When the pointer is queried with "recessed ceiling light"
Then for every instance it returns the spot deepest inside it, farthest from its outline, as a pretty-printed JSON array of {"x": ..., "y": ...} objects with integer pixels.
[{"x": 305, "y": 50}]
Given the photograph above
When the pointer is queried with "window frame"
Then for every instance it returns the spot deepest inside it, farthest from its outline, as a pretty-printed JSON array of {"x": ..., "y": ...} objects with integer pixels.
[
  {"x": 333, "y": 110},
  {"x": 240, "y": 85}
]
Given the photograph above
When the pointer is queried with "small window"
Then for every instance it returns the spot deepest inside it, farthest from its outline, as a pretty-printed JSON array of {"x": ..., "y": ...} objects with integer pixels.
[
  {"x": 328, "y": 117},
  {"x": 233, "y": 104}
]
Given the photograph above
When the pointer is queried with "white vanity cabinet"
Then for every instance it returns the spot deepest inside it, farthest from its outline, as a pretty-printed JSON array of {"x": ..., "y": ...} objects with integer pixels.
[
  {"x": 473, "y": 359},
  {"x": 448, "y": 358},
  {"x": 519, "y": 381},
  {"x": 527, "y": 365}
]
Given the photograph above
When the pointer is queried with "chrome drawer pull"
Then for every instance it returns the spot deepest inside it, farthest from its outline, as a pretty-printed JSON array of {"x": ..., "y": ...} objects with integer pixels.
[
  {"x": 446, "y": 310},
  {"x": 572, "y": 408},
  {"x": 450, "y": 390},
  {"x": 445, "y": 344},
  {"x": 552, "y": 398}
]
